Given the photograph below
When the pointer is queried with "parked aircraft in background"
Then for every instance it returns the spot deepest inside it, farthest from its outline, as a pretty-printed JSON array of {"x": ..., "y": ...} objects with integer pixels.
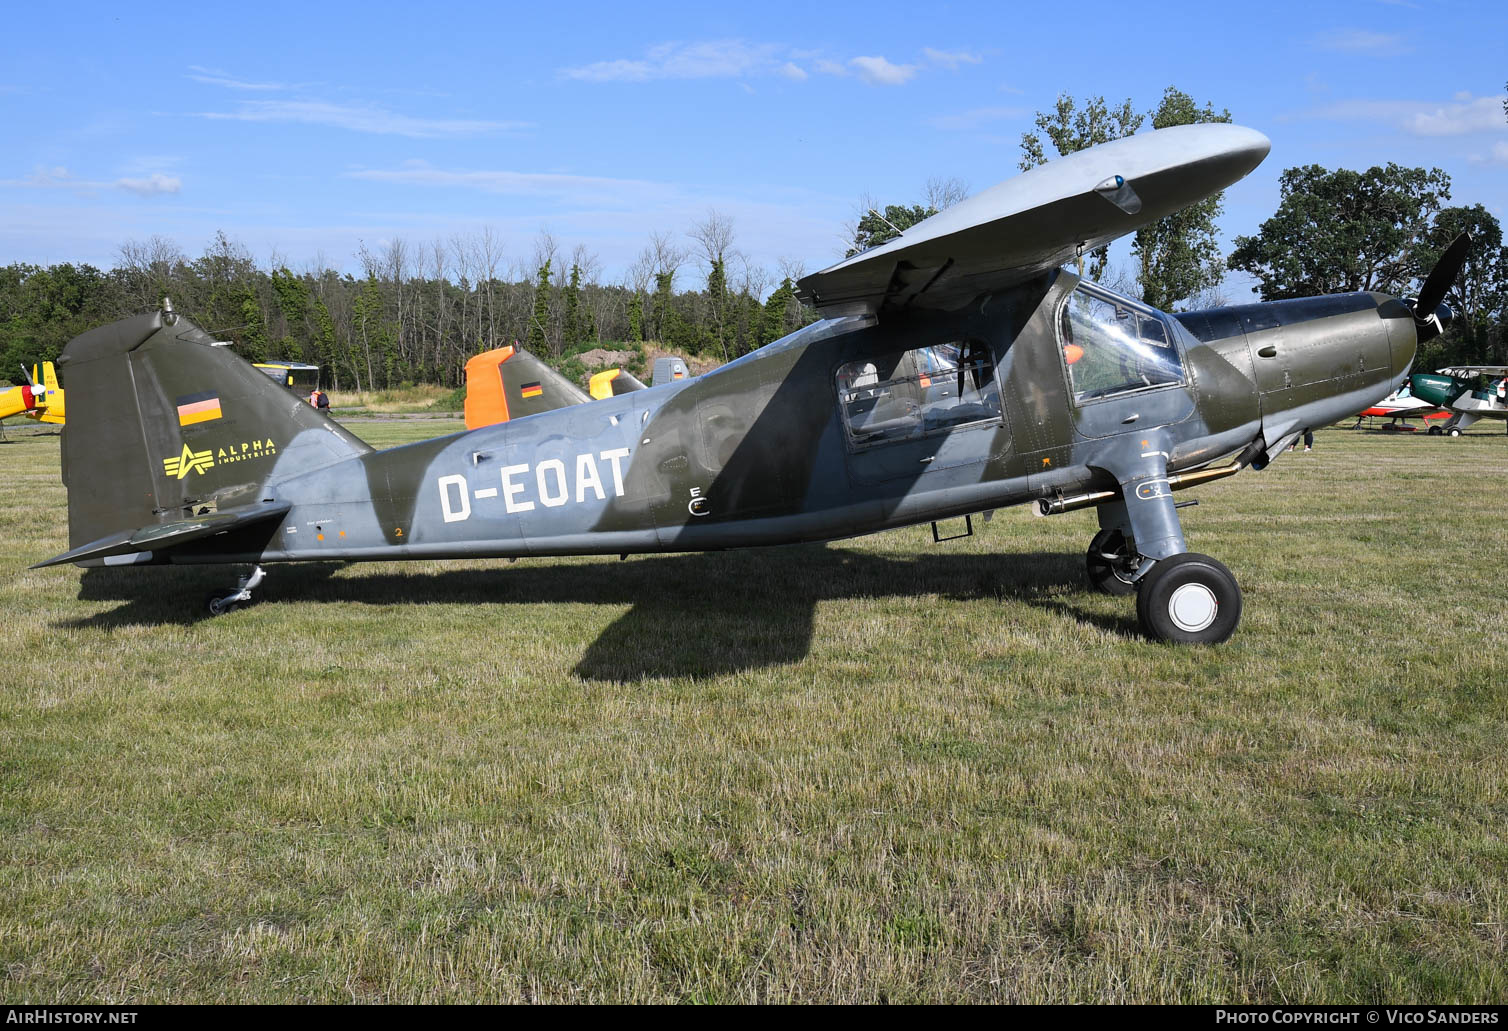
[
  {"x": 40, "y": 403},
  {"x": 1401, "y": 404},
  {"x": 958, "y": 368},
  {"x": 1459, "y": 391}
]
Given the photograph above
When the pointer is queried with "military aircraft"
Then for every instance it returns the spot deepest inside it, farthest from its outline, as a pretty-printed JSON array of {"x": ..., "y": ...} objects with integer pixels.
[
  {"x": 958, "y": 368},
  {"x": 42, "y": 403},
  {"x": 1457, "y": 391}
]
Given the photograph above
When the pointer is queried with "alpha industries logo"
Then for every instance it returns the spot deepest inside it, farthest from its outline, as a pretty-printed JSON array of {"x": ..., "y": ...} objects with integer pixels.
[
  {"x": 245, "y": 450},
  {"x": 189, "y": 462}
]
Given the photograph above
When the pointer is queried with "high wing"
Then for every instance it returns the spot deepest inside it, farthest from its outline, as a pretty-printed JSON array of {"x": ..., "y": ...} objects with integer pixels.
[{"x": 1039, "y": 220}]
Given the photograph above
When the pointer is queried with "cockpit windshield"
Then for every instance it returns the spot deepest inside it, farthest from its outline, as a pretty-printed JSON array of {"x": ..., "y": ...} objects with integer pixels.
[{"x": 1112, "y": 346}]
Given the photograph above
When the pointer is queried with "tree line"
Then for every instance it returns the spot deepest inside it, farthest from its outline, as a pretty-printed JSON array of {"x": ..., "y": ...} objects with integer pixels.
[{"x": 414, "y": 314}]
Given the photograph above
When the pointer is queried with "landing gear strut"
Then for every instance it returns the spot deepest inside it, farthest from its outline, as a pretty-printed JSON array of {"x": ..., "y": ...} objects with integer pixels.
[
  {"x": 221, "y": 602},
  {"x": 1181, "y": 597}
]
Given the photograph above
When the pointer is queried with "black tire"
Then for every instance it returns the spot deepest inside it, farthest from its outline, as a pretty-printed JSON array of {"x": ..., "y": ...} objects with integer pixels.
[
  {"x": 1106, "y": 575},
  {"x": 1189, "y": 599},
  {"x": 218, "y": 603},
  {"x": 1455, "y": 431},
  {"x": 1435, "y": 431}
]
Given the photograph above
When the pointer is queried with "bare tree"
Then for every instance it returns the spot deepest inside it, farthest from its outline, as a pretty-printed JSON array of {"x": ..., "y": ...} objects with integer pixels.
[{"x": 942, "y": 193}]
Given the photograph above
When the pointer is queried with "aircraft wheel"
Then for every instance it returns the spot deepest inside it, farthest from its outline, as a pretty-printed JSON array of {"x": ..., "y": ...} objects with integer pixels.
[
  {"x": 220, "y": 603},
  {"x": 1189, "y": 599},
  {"x": 1455, "y": 431},
  {"x": 1435, "y": 431},
  {"x": 1107, "y": 574}
]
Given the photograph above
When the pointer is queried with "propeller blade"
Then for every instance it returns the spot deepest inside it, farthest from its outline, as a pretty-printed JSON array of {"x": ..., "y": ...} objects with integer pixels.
[
  {"x": 29, "y": 381},
  {"x": 1432, "y": 293}
]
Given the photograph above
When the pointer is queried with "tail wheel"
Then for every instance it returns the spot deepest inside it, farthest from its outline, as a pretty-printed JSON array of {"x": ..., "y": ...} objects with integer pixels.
[
  {"x": 1189, "y": 599},
  {"x": 1110, "y": 563}
]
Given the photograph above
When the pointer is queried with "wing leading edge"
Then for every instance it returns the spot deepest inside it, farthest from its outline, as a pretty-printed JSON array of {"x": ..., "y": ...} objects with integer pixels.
[{"x": 1039, "y": 219}]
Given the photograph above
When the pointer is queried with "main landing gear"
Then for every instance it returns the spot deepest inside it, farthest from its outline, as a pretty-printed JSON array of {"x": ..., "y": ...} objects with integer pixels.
[
  {"x": 1184, "y": 599},
  {"x": 222, "y": 602},
  {"x": 1181, "y": 597}
]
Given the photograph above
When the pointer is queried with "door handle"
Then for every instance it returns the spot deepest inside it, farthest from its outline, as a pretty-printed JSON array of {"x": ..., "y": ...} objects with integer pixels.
[{"x": 1269, "y": 351}]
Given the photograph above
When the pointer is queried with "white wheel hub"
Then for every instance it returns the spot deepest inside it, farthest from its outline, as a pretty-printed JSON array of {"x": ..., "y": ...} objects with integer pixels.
[{"x": 1193, "y": 607}]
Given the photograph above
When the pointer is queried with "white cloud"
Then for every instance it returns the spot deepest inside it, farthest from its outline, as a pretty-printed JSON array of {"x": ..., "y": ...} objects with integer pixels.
[
  {"x": 830, "y": 67},
  {"x": 217, "y": 77},
  {"x": 1363, "y": 41},
  {"x": 974, "y": 119},
  {"x": 1460, "y": 116},
  {"x": 578, "y": 188},
  {"x": 951, "y": 59},
  {"x": 368, "y": 119},
  {"x": 879, "y": 72},
  {"x": 1497, "y": 156},
  {"x": 58, "y": 177},
  {"x": 710, "y": 59},
  {"x": 792, "y": 71},
  {"x": 154, "y": 183}
]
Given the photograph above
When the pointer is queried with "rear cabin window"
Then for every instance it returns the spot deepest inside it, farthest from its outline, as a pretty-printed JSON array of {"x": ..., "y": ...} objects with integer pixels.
[
  {"x": 1110, "y": 347},
  {"x": 911, "y": 394}
]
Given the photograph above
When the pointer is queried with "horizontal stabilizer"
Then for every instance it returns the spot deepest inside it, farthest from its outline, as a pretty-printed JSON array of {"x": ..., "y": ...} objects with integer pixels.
[
  {"x": 1039, "y": 220},
  {"x": 169, "y": 535}
]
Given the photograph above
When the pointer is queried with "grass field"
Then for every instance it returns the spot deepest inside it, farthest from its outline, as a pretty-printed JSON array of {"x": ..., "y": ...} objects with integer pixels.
[{"x": 878, "y": 770}]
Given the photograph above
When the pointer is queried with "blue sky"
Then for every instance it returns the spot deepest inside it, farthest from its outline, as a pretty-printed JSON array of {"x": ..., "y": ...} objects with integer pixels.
[{"x": 309, "y": 129}]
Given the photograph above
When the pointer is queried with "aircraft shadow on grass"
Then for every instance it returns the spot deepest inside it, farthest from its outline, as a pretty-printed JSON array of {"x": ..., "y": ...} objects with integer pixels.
[{"x": 691, "y": 615}]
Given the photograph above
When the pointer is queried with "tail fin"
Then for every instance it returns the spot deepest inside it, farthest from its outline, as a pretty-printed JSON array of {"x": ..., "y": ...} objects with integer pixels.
[
  {"x": 612, "y": 382},
  {"x": 52, "y": 408},
  {"x": 165, "y": 425},
  {"x": 510, "y": 383}
]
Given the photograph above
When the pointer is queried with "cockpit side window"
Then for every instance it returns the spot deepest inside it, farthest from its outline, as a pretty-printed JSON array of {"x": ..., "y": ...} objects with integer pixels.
[
  {"x": 1111, "y": 347},
  {"x": 911, "y": 394}
]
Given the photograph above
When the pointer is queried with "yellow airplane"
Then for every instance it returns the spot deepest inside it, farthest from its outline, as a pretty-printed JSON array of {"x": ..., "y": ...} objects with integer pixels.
[{"x": 41, "y": 403}]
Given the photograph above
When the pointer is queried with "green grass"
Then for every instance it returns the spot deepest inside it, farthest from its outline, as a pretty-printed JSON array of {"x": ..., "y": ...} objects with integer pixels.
[{"x": 877, "y": 770}]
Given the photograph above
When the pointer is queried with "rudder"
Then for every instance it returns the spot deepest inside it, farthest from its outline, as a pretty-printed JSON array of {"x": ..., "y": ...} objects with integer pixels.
[{"x": 164, "y": 424}]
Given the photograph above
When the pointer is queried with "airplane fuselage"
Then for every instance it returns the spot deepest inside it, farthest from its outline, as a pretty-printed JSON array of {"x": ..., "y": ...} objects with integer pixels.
[{"x": 855, "y": 425}]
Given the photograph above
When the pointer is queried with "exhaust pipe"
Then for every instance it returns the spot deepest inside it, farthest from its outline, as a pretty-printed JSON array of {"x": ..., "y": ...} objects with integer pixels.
[{"x": 1178, "y": 481}]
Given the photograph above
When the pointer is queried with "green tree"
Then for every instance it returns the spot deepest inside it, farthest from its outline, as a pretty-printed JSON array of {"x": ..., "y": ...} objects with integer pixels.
[
  {"x": 772, "y": 323},
  {"x": 538, "y": 342},
  {"x": 1069, "y": 128},
  {"x": 573, "y": 327},
  {"x": 1340, "y": 231},
  {"x": 874, "y": 228},
  {"x": 1179, "y": 255},
  {"x": 717, "y": 299},
  {"x": 663, "y": 312},
  {"x": 1478, "y": 297},
  {"x": 636, "y": 317}
]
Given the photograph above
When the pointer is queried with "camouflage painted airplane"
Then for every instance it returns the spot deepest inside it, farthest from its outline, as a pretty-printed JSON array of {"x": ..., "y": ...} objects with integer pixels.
[{"x": 959, "y": 369}]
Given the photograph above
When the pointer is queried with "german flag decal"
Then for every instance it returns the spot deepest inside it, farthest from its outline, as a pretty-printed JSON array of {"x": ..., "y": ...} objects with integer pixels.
[
  {"x": 202, "y": 407},
  {"x": 531, "y": 389}
]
